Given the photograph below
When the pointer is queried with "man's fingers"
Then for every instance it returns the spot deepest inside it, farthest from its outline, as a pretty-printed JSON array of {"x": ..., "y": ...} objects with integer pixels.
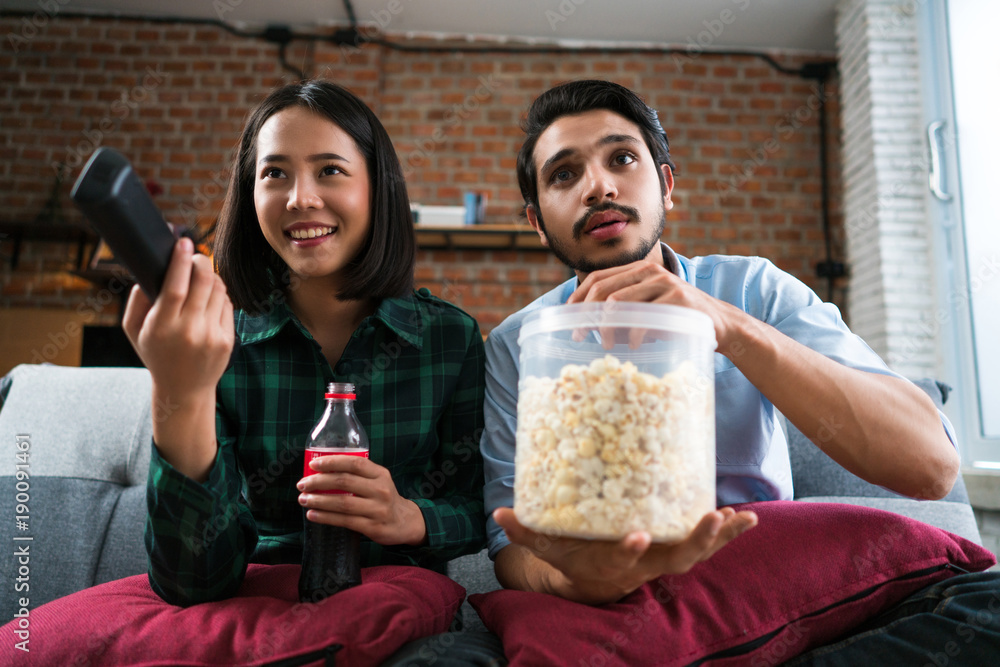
[
  {"x": 735, "y": 525},
  {"x": 516, "y": 533},
  {"x": 608, "y": 337},
  {"x": 699, "y": 543},
  {"x": 522, "y": 535},
  {"x": 599, "y": 284},
  {"x": 636, "y": 337},
  {"x": 657, "y": 287},
  {"x": 633, "y": 547}
]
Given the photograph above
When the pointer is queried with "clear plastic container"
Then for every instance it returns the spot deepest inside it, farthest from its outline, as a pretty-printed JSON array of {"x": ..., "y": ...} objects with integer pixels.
[{"x": 615, "y": 421}]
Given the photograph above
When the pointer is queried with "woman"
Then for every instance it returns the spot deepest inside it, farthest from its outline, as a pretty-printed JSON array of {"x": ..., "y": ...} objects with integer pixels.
[{"x": 315, "y": 251}]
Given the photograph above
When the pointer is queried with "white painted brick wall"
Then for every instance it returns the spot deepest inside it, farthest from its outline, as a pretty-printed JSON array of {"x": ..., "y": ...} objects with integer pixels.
[
  {"x": 989, "y": 528},
  {"x": 891, "y": 288},
  {"x": 984, "y": 494}
]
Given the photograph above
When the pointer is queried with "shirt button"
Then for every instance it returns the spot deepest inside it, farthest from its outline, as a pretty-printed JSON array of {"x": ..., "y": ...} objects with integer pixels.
[{"x": 423, "y": 291}]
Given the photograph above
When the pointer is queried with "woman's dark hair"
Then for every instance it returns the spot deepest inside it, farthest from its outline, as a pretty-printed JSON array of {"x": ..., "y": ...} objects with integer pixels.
[
  {"x": 383, "y": 267},
  {"x": 578, "y": 97}
]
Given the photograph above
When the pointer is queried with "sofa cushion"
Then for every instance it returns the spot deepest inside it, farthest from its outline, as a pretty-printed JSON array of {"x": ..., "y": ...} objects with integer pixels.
[
  {"x": 808, "y": 573},
  {"x": 82, "y": 437},
  {"x": 125, "y": 622},
  {"x": 86, "y": 435},
  {"x": 476, "y": 575},
  {"x": 814, "y": 474},
  {"x": 955, "y": 517},
  {"x": 84, "y": 423}
]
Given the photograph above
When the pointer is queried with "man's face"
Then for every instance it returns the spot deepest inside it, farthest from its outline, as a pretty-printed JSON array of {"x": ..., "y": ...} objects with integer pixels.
[{"x": 600, "y": 200}]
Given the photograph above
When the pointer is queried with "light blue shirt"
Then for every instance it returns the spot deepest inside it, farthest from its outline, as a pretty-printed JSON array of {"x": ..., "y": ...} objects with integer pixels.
[{"x": 752, "y": 461}]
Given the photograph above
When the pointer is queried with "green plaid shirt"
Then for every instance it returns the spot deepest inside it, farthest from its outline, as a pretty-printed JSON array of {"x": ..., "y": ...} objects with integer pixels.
[{"x": 417, "y": 365}]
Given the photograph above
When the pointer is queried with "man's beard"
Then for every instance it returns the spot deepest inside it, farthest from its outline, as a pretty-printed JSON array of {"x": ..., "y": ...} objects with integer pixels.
[{"x": 626, "y": 256}]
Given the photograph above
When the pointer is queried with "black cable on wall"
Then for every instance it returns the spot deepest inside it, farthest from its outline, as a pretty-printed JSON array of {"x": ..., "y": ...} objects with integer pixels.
[{"x": 282, "y": 36}]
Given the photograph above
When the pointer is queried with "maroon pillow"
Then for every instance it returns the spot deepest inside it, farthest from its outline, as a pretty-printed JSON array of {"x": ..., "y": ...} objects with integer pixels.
[
  {"x": 806, "y": 575},
  {"x": 125, "y": 622}
]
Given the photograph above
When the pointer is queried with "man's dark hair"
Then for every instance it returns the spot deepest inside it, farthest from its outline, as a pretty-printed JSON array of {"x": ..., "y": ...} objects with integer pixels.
[
  {"x": 577, "y": 97},
  {"x": 383, "y": 267}
]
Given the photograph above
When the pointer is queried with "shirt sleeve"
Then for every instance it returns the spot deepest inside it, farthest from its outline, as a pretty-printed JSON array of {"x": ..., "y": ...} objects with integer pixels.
[
  {"x": 498, "y": 442},
  {"x": 451, "y": 497},
  {"x": 199, "y": 537}
]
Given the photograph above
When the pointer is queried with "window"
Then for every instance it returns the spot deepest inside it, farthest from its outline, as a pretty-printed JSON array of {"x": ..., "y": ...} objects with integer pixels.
[{"x": 961, "y": 57}]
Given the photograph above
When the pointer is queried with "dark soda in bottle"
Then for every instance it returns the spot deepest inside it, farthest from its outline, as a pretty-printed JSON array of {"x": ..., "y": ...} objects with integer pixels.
[{"x": 331, "y": 555}]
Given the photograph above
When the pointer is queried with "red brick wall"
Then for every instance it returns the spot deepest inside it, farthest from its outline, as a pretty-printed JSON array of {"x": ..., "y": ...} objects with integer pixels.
[{"x": 173, "y": 98}]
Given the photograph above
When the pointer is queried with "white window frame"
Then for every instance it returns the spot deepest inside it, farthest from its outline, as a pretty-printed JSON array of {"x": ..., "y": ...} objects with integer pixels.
[{"x": 956, "y": 75}]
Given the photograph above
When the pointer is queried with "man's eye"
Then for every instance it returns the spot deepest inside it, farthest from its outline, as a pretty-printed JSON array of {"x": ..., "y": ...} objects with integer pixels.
[
  {"x": 561, "y": 175},
  {"x": 624, "y": 158}
]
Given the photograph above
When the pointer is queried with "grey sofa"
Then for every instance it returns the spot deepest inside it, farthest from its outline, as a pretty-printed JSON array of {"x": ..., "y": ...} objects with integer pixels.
[{"x": 83, "y": 437}]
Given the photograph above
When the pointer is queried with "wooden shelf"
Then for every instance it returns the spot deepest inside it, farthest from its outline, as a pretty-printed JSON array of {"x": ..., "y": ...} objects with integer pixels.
[
  {"x": 116, "y": 278},
  {"x": 18, "y": 232},
  {"x": 501, "y": 237}
]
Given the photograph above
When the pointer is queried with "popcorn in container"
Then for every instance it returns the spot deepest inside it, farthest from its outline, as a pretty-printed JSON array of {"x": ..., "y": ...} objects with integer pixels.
[{"x": 615, "y": 421}]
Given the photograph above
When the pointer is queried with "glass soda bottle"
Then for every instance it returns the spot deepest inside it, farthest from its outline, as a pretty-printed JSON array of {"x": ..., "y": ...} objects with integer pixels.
[{"x": 331, "y": 555}]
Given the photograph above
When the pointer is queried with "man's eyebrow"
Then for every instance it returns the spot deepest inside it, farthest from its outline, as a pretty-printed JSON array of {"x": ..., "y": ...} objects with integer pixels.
[
  {"x": 317, "y": 157},
  {"x": 555, "y": 158},
  {"x": 604, "y": 141}
]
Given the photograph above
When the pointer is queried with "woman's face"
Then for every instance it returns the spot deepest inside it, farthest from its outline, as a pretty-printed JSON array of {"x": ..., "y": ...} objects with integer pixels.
[{"x": 311, "y": 193}]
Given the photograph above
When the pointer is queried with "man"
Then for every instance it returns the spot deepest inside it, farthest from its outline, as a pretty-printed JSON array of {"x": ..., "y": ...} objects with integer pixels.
[{"x": 597, "y": 180}]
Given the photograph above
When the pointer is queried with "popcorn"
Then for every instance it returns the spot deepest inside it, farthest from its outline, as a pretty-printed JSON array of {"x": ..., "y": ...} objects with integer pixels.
[{"x": 606, "y": 449}]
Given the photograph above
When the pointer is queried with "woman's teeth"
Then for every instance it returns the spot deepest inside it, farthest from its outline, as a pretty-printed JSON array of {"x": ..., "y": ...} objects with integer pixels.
[{"x": 310, "y": 233}]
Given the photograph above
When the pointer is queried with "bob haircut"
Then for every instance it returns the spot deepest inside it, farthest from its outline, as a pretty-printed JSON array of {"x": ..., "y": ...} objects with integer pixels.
[
  {"x": 253, "y": 272},
  {"x": 577, "y": 97}
]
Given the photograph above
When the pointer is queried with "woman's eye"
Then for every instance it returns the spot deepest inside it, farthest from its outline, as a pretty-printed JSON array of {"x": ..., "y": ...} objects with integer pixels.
[
  {"x": 331, "y": 170},
  {"x": 273, "y": 172}
]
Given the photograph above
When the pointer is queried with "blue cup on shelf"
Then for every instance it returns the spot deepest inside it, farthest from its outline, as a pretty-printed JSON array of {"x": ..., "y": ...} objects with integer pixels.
[{"x": 475, "y": 208}]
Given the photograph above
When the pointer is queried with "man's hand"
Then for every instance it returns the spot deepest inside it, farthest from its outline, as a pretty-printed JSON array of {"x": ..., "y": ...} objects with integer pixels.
[
  {"x": 374, "y": 508},
  {"x": 598, "y": 572},
  {"x": 651, "y": 282}
]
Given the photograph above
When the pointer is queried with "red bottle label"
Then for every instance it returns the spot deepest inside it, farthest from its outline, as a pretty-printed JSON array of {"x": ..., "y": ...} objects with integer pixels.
[{"x": 321, "y": 451}]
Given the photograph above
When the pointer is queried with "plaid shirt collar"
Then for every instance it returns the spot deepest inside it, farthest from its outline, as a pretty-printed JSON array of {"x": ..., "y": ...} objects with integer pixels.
[{"x": 400, "y": 314}]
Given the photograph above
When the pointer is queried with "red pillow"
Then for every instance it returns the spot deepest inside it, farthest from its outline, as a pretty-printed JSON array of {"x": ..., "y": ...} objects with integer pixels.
[
  {"x": 806, "y": 575},
  {"x": 125, "y": 622}
]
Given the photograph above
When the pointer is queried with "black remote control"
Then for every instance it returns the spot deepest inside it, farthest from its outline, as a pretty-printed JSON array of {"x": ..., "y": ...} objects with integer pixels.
[{"x": 119, "y": 207}]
